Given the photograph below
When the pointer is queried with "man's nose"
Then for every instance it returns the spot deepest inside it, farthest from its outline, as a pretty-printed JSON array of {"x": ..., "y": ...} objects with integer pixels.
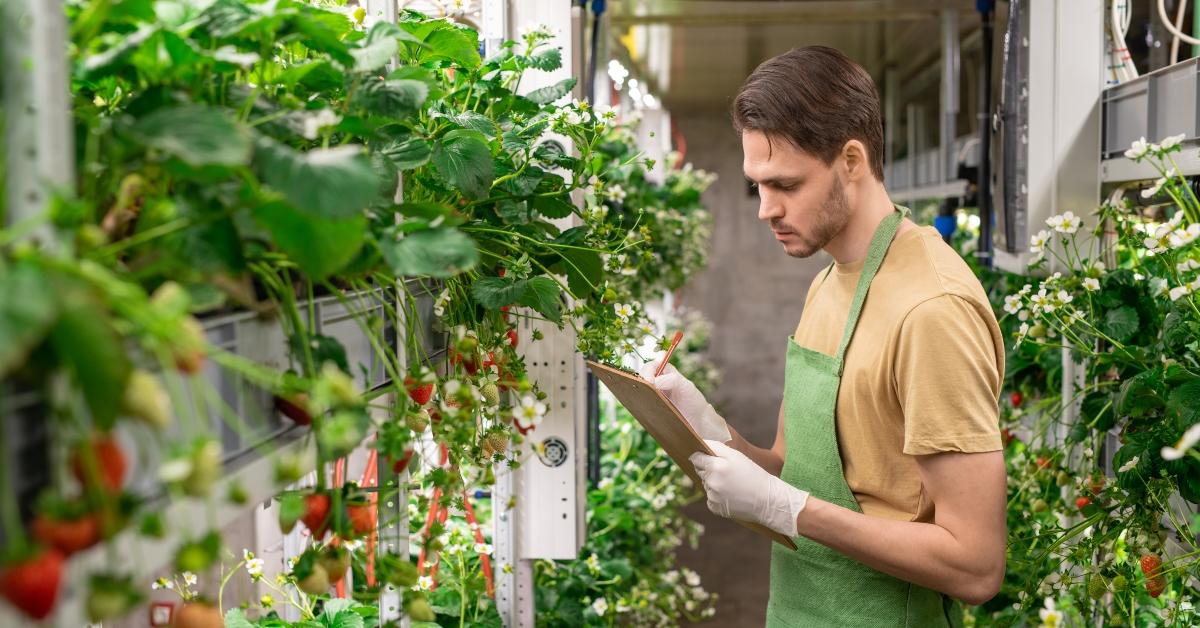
[{"x": 769, "y": 207}]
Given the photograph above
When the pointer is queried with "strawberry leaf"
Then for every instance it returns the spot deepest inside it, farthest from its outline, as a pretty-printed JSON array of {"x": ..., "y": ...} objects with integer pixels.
[{"x": 542, "y": 294}]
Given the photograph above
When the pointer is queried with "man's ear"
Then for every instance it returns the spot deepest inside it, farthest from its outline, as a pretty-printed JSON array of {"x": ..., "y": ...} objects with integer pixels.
[{"x": 854, "y": 155}]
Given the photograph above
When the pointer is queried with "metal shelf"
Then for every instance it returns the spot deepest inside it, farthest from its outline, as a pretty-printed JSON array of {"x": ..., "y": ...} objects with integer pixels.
[{"x": 1164, "y": 102}]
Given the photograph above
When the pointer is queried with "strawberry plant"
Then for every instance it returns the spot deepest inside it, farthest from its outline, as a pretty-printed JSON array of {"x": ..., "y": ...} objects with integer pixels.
[{"x": 246, "y": 156}]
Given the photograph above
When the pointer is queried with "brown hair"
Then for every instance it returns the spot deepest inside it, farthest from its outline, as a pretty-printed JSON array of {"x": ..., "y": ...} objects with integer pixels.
[{"x": 815, "y": 98}]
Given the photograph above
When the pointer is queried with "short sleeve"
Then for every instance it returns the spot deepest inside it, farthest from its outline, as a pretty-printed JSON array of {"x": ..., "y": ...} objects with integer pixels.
[{"x": 948, "y": 373}]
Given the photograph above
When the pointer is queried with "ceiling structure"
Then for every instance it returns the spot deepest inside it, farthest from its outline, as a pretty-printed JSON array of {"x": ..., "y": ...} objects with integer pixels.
[{"x": 712, "y": 45}]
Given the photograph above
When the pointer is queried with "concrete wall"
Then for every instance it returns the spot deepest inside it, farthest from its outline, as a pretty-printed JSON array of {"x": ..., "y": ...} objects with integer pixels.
[{"x": 753, "y": 293}]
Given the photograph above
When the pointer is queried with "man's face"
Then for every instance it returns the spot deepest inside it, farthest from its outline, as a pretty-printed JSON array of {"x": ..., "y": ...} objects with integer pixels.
[{"x": 802, "y": 199}]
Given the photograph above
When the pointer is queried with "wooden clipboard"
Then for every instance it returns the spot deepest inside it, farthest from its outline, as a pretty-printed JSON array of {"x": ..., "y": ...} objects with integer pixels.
[{"x": 659, "y": 417}]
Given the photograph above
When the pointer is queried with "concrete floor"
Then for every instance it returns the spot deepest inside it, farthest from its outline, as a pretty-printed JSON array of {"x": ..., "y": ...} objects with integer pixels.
[{"x": 753, "y": 294}]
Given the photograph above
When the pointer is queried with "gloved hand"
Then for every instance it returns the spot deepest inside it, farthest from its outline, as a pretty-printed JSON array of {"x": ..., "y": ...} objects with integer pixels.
[
  {"x": 689, "y": 400},
  {"x": 737, "y": 487}
]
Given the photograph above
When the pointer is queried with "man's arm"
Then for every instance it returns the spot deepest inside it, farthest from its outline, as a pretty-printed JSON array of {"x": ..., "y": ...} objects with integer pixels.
[
  {"x": 961, "y": 553},
  {"x": 769, "y": 459}
]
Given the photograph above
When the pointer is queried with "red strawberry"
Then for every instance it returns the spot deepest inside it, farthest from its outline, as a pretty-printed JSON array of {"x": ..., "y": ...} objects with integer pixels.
[
  {"x": 1082, "y": 501},
  {"x": 67, "y": 535},
  {"x": 470, "y": 362},
  {"x": 1156, "y": 586},
  {"x": 1016, "y": 398},
  {"x": 198, "y": 615},
  {"x": 398, "y": 466},
  {"x": 504, "y": 312},
  {"x": 294, "y": 407},
  {"x": 1043, "y": 462},
  {"x": 1151, "y": 564},
  {"x": 418, "y": 392},
  {"x": 109, "y": 463},
  {"x": 512, "y": 338},
  {"x": 362, "y": 520},
  {"x": 316, "y": 513},
  {"x": 32, "y": 585}
]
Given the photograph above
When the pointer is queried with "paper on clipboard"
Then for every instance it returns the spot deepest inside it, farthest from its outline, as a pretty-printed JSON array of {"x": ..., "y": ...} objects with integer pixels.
[{"x": 664, "y": 423}]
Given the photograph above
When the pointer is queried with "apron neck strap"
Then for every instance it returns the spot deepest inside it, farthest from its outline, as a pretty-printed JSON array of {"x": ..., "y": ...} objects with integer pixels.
[{"x": 875, "y": 254}]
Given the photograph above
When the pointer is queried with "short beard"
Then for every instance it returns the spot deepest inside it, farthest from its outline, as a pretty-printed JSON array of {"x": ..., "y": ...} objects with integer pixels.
[{"x": 829, "y": 221}]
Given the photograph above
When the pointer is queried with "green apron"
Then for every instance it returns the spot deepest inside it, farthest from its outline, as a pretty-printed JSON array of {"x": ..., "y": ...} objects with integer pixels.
[{"x": 815, "y": 586}]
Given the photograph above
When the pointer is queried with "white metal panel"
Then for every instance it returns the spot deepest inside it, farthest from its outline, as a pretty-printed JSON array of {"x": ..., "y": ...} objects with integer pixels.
[{"x": 1062, "y": 146}]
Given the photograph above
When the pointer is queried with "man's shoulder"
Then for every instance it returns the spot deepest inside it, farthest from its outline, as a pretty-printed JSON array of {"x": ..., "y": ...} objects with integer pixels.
[{"x": 922, "y": 267}]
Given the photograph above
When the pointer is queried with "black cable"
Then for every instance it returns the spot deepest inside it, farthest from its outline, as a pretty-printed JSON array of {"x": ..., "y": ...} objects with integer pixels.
[{"x": 983, "y": 250}]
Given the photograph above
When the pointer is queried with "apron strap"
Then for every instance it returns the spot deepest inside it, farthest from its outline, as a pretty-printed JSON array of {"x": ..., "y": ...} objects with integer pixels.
[{"x": 875, "y": 254}]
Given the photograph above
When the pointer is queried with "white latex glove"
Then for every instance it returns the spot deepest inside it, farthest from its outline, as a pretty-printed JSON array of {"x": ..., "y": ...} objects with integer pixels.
[
  {"x": 689, "y": 400},
  {"x": 737, "y": 487}
]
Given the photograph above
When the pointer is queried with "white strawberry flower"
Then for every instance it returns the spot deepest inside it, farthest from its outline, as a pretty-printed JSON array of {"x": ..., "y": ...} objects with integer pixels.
[
  {"x": 189, "y": 578},
  {"x": 1023, "y": 315},
  {"x": 1171, "y": 141},
  {"x": 1183, "y": 237},
  {"x": 1050, "y": 615},
  {"x": 424, "y": 583},
  {"x": 1091, "y": 284},
  {"x": 1188, "y": 288},
  {"x": 624, "y": 311},
  {"x": 1023, "y": 331},
  {"x": 1189, "y": 440},
  {"x": 1128, "y": 466},
  {"x": 314, "y": 123},
  {"x": 1187, "y": 265},
  {"x": 483, "y": 549},
  {"x": 1042, "y": 302},
  {"x": 530, "y": 412},
  {"x": 1139, "y": 149},
  {"x": 1037, "y": 243},
  {"x": 600, "y": 606},
  {"x": 1012, "y": 303},
  {"x": 615, "y": 192},
  {"x": 1064, "y": 297},
  {"x": 1154, "y": 189},
  {"x": 1160, "y": 239},
  {"x": 1066, "y": 222},
  {"x": 1158, "y": 286},
  {"x": 254, "y": 566}
]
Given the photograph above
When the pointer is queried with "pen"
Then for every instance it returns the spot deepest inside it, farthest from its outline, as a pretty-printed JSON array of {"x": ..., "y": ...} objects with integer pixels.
[{"x": 670, "y": 350}]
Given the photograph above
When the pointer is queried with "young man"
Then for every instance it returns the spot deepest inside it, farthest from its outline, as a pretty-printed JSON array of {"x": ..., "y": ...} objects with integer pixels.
[{"x": 887, "y": 467}]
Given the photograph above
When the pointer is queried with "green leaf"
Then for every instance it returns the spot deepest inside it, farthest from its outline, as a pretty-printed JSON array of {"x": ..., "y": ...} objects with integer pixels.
[
  {"x": 1120, "y": 324},
  {"x": 235, "y": 618},
  {"x": 396, "y": 98},
  {"x": 378, "y": 48},
  {"x": 551, "y": 93},
  {"x": 212, "y": 246},
  {"x": 496, "y": 292},
  {"x": 476, "y": 122},
  {"x": 542, "y": 294},
  {"x": 27, "y": 310},
  {"x": 463, "y": 159},
  {"x": 88, "y": 345},
  {"x": 437, "y": 253},
  {"x": 453, "y": 43},
  {"x": 329, "y": 183},
  {"x": 1185, "y": 400},
  {"x": 584, "y": 269},
  {"x": 514, "y": 212},
  {"x": 554, "y": 206},
  {"x": 323, "y": 349},
  {"x": 1138, "y": 394},
  {"x": 195, "y": 134},
  {"x": 1097, "y": 409},
  {"x": 547, "y": 60},
  {"x": 319, "y": 246},
  {"x": 411, "y": 153}
]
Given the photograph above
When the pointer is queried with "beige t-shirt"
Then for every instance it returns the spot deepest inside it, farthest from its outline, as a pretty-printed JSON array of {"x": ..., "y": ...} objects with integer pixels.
[{"x": 922, "y": 374}]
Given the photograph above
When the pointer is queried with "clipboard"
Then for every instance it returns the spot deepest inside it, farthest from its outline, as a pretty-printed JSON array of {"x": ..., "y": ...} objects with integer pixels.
[{"x": 664, "y": 423}]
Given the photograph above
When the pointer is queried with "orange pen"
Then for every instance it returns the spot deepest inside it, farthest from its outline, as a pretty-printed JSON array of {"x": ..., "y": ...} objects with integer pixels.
[{"x": 670, "y": 350}]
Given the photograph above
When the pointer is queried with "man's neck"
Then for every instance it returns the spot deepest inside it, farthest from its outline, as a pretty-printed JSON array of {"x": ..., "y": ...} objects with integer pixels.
[{"x": 852, "y": 243}]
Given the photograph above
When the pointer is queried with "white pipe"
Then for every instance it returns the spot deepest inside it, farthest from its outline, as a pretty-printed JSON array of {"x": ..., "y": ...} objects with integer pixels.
[
  {"x": 1162, "y": 15},
  {"x": 1178, "y": 24}
]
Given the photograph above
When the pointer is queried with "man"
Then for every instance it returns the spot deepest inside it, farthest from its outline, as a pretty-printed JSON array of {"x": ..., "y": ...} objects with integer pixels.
[{"x": 887, "y": 468}]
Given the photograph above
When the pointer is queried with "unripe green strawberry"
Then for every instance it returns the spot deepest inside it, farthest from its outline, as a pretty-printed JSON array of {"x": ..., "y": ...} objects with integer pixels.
[
  {"x": 418, "y": 609},
  {"x": 1119, "y": 584},
  {"x": 1040, "y": 505},
  {"x": 498, "y": 441},
  {"x": 1096, "y": 586},
  {"x": 467, "y": 344},
  {"x": 417, "y": 421},
  {"x": 1063, "y": 478},
  {"x": 146, "y": 400},
  {"x": 491, "y": 393}
]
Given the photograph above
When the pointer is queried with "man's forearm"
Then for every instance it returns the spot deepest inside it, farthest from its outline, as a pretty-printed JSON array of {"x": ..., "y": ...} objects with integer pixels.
[
  {"x": 923, "y": 553},
  {"x": 765, "y": 458}
]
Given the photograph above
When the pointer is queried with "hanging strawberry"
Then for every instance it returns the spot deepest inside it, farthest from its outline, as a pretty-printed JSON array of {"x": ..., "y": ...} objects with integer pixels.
[
  {"x": 316, "y": 514},
  {"x": 99, "y": 463},
  {"x": 32, "y": 584}
]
